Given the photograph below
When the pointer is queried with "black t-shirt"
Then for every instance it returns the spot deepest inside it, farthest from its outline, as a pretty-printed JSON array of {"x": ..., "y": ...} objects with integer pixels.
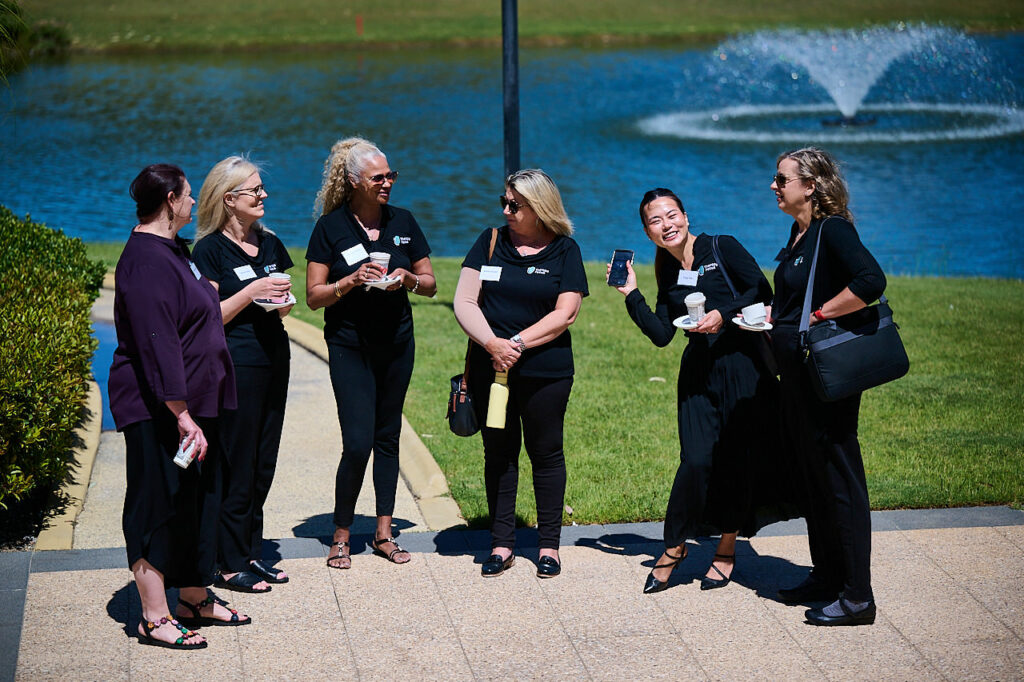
[
  {"x": 256, "y": 337},
  {"x": 517, "y": 291},
  {"x": 675, "y": 283},
  {"x": 374, "y": 317}
]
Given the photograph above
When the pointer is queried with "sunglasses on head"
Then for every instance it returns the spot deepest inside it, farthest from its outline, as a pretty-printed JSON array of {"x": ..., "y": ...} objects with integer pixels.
[
  {"x": 512, "y": 205},
  {"x": 381, "y": 177},
  {"x": 781, "y": 180}
]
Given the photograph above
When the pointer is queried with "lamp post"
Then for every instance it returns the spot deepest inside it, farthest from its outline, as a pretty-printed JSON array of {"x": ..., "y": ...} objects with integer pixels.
[{"x": 510, "y": 81}]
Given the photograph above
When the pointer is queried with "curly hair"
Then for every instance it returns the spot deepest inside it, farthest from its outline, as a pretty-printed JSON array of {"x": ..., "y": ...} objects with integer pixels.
[
  {"x": 226, "y": 176},
  {"x": 540, "y": 191},
  {"x": 343, "y": 167},
  {"x": 831, "y": 197}
]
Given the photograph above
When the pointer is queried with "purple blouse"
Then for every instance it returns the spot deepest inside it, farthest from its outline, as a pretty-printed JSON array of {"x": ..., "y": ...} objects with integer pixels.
[{"x": 170, "y": 335}]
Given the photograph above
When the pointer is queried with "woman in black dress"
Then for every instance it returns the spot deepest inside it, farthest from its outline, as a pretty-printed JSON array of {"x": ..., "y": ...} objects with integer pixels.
[
  {"x": 239, "y": 256},
  {"x": 823, "y": 436},
  {"x": 520, "y": 289},
  {"x": 367, "y": 325},
  {"x": 726, "y": 390},
  {"x": 170, "y": 379}
]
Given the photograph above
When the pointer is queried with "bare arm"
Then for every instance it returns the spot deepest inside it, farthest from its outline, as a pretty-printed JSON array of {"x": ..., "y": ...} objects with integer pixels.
[
  {"x": 422, "y": 272},
  {"x": 843, "y": 303},
  {"x": 264, "y": 287},
  {"x": 320, "y": 293},
  {"x": 551, "y": 326}
]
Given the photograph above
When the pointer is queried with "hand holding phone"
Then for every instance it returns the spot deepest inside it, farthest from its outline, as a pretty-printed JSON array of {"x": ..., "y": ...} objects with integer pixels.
[{"x": 617, "y": 271}]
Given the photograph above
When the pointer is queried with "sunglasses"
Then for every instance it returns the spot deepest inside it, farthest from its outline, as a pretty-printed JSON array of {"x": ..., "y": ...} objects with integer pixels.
[
  {"x": 254, "y": 191},
  {"x": 512, "y": 205},
  {"x": 781, "y": 180},
  {"x": 381, "y": 177}
]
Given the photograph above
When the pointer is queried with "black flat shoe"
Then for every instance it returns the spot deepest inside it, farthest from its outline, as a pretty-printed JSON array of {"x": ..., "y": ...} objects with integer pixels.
[
  {"x": 548, "y": 567},
  {"x": 809, "y": 590},
  {"x": 268, "y": 572},
  {"x": 245, "y": 581},
  {"x": 707, "y": 583},
  {"x": 652, "y": 584},
  {"x": 495, "y": 565},
  {"x": 865, "y": 616}
]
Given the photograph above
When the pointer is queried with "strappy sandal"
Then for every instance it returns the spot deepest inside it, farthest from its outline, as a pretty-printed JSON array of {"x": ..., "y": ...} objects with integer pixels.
[
  {"x": 653, "y": 584},
  {"x": 197, "y": 619},
  {"x": 243, "y": 581},
  {"x": 707, "y": 583},
  {"x": 180, "y": 643},
  {"x": 342, "y": 554},
  {"x": 390, "y": 556}
]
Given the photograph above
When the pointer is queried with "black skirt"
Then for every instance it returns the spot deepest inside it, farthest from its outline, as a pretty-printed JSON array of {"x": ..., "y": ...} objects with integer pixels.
[{"x": 170, "y": 514}]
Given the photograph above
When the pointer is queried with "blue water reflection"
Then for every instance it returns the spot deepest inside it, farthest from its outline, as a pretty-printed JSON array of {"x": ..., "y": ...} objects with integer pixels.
[{"x": 74, "y": 135}]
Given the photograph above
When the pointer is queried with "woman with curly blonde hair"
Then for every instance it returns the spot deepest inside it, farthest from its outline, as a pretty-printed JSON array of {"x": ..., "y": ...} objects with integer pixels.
[{"x": 367, "y": 325}]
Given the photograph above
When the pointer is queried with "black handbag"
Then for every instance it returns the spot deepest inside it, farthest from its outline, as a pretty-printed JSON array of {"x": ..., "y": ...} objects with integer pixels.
[
  {"x": 854, "y": 353},
  {"x": 763, "y": 342}
]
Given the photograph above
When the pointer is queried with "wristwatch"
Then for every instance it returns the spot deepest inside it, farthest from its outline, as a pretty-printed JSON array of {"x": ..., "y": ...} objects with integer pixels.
[{"x": 518, "y": 340}]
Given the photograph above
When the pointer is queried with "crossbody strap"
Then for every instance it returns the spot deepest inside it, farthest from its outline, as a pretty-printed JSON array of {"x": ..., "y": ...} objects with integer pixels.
[{"x": 721, "y": 263}]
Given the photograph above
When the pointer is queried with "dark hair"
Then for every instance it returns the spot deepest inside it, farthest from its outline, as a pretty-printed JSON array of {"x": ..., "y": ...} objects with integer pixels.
[
  {"x": 149, "y": 189},
  {"x": 660, "y": 254}
]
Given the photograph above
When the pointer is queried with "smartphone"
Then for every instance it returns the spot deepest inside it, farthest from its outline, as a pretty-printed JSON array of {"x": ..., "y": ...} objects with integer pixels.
[{"x": 618, "y": 274}]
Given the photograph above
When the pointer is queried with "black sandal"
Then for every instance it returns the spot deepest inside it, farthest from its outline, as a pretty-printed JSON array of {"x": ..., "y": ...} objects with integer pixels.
[
  {"x": 653, "y": 584},
  {"x": 198, "y": 620},
  {"x": 342, "y": 554},
  {"x": 243, "y": 581},
  {"x": 377, "y": 542},
  {"x": 269, "y": 573},
  {"x": 180, "y": 643},
  {"x": 707, "y": 583}
]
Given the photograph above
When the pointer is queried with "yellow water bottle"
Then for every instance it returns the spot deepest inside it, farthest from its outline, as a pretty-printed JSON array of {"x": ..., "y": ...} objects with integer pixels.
[{"x": 498, "y": 401}]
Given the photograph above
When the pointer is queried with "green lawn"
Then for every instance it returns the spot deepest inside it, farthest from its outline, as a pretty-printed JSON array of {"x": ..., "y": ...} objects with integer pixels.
[
  {"x": 948, "y": 434},
  {"x": 147, "y": 24}
]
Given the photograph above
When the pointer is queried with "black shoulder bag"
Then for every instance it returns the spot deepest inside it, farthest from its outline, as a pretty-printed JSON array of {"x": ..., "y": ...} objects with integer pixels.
[
  {"x": 764, "y": 343},
  {"x": 461, "y": 415},
  {"x": 853, "y": 353}
]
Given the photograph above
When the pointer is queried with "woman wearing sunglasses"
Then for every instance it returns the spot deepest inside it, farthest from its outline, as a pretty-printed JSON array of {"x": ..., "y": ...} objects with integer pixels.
[
  {"x": 367, "y": 325},
  {"x": 238, "y": 255},
  {"x": 727, "y": 391},
  {"x": 809, "y": 187},
  {"x": 520, "y": 288}
]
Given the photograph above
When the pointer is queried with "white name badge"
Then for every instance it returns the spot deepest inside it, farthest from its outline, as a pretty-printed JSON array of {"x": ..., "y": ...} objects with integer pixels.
[
  {"x": 195, "y": 270},
  {"x": 355, "y": 254},
  {"x": 687, "y": 278},
  {"x": 245, "y": 272},
  {"x": 490, "y": 273}
]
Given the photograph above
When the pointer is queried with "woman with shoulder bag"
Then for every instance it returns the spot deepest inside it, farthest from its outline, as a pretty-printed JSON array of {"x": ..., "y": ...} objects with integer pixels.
[
  {"x": 726, "y": 391},
  {"x": 823, "y": 435}
]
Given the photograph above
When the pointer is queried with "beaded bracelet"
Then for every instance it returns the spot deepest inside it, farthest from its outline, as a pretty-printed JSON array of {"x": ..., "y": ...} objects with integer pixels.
[{"x": 415, "y": 287}]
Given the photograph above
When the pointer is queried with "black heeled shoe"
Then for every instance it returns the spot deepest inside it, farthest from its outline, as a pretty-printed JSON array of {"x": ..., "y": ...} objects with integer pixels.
[
  {"x": 495, "y": 565},
  {"x": 707, "y": 583},
  {"x": 652, "y": 584}
]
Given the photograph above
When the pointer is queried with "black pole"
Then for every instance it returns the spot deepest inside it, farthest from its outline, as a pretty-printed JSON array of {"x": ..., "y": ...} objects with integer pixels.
[{"x": 510, "y": 81}]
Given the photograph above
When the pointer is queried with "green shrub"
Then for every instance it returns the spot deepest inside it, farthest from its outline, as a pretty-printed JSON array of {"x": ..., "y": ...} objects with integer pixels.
[
  {"x": 47, "y": 287},
  {"x": 20, "y": 41}
]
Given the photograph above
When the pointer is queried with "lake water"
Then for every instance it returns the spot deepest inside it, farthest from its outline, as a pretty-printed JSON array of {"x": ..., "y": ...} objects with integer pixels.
[{"x": 73, "y": 136}]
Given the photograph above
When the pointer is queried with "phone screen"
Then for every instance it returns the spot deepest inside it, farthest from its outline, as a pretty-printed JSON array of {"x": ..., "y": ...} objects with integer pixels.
[{"x": 618, "y": 274}]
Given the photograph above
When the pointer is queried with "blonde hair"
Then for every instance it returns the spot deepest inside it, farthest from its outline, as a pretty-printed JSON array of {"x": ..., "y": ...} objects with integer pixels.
[
  {"x": 831, "y": 197},
  {"x": 343, "y": 167},
  {"x": 541, "y": 193},
  {"x": 225, "y": 177}
]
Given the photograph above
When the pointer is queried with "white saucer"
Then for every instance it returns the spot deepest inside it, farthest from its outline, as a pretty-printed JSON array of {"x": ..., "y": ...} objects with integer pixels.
[
  {"x": 763, "y": 327},
  {"x": 383, "y": 283},
  {"x": 684, "y": 323},
  {"x": 267, "y": 304}
]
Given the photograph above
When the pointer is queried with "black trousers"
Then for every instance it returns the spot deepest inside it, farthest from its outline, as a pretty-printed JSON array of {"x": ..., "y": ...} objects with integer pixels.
[
  {"x": 834, "y": 498},
  {"x": 170, "y": 514},
  {"x": 369, "y": 388},
  {"x": 535, "y": 415},
  {"x": 250, "y": 438}
]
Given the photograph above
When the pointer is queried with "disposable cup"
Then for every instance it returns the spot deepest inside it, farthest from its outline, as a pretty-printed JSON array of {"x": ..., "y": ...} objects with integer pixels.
[
  {"x": 282, "y": 276},
  {"x": 381, "y": 258},
  {"x": 695, "y": 306}
]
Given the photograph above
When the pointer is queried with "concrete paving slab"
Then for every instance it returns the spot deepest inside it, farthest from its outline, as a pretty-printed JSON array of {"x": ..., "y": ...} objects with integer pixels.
[{"x": 656, "y": 657}]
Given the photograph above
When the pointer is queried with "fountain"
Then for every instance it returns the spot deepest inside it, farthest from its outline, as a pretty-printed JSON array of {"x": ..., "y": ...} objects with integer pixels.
[{"x": 883, "y": 84}]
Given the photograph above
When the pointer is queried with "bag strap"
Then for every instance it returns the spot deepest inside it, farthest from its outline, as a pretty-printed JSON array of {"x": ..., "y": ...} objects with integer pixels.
[
  {"x": 469, "y": 343},
  {"x": 721, "y": 262},
  {"x": 494, "y": 240}
]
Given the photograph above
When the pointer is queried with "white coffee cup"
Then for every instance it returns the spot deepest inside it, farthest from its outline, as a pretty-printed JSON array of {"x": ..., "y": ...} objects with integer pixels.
[
  {"x": 382, "y": 259},
  {"x": 695, "y": 306},
  {"x": 754, "y": 314},
  {"x": 281, "y": 276}
]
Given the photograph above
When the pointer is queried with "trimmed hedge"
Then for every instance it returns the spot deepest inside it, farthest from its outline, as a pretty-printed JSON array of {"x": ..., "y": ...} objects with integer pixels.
[{"x": 47, "y": 287}]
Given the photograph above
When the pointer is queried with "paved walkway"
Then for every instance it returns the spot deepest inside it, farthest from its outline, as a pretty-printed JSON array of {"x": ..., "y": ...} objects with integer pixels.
[{"x": 949, "y": 586}]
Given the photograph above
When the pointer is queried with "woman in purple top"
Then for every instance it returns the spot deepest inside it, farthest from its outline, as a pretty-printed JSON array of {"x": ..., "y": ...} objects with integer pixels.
[{"x": 169, "y": 381}]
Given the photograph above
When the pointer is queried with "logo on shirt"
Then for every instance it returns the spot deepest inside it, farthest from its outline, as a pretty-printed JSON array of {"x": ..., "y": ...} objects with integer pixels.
[
  {"x": 401, "y": 241},
  {"x": 536, "y": 271},
  {"x": 798, "y": 261},
  {"x": 270, "y": 268},
  {"x": 706, "y": 268}
]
